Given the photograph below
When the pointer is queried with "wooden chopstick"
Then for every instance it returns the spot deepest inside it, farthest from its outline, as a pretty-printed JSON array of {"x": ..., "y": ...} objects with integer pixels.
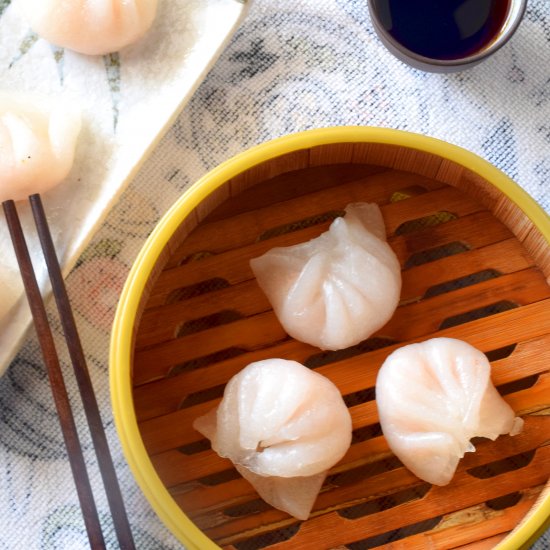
[
  {"x": 59, "y": 391},
  {"x": 68, "y": 426}
]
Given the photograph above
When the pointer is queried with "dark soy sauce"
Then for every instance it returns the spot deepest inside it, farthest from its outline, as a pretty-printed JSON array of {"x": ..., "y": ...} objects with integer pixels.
[{"x": 443, "y": 29}]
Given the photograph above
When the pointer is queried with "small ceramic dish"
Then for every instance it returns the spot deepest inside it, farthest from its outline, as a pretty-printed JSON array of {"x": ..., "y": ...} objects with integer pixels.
[
  {"x": 382, "y": 22},
  {"x": 475, "y": 254}
]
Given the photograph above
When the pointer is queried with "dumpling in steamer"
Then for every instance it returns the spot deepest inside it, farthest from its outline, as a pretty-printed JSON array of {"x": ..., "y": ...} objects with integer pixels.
[
  {"x": 336, "y": 290},
  {"x": 283, "y": 426},
  {"x": 92, "y": 27},
  {"x": 37, "y": 143},
  {"x": 433, "y": 398}
]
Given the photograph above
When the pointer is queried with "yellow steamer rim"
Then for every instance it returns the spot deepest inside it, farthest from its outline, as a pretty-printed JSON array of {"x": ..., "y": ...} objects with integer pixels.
[{"x": 125, "y": 324}]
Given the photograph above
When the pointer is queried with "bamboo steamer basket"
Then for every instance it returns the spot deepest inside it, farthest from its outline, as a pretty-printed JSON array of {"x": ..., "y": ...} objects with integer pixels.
[{"x": 476, "y": 264}]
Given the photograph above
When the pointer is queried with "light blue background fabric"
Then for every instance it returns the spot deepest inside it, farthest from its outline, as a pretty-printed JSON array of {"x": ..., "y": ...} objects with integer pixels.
[{"x": 291, "y": 66}]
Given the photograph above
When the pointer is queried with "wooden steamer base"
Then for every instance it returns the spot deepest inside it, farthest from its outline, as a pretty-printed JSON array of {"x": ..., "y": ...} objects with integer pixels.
[{"x": 474, "y": 268}]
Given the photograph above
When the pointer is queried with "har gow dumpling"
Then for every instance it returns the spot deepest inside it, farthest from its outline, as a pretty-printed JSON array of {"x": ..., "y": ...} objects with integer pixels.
[
  {"x": 433, "y": 398},
  {"x": 92, "y": 27},
  {"x": 336, "y": 290},
  {"x": 37, "y": 143},
  {"x": 283, "y": 426}
]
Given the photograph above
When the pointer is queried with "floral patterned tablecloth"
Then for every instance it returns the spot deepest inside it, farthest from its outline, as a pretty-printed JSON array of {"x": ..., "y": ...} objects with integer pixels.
[{"x": 291, "y": 66}]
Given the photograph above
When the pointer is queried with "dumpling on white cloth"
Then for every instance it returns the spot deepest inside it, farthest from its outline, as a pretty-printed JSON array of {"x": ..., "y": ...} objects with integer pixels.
[
  {"x": 37, "y": 143},
  {"x": 337, "y": 289},
  {"x": 283, "y": 426},
  {"x": 433, "y": 398},
  {"x": 92, "y": 27}
]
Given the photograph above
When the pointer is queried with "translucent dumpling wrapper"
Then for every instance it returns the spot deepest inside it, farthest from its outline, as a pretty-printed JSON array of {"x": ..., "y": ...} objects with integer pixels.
[
  {"x": 283, "y": 426},
  {"x": 433, "y": 398},
  {"x": 336, "y": 290},
  {"x": 37, "y": 143},
  {"x": 92, "y": 27}
]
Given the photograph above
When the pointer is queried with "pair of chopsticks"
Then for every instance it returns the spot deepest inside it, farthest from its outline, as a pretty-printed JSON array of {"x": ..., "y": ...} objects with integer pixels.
[{"x": 55, "y": 375}]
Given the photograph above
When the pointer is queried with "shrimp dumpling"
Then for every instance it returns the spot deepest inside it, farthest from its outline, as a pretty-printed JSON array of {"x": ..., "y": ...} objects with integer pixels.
[
  {"x": 37, "y": 143},
  {"x": 283, "y": 426},
  {"x": 92, "y": 27},
  {"x": 336, "y": 290},
  {"x": 432, "y": 398}
]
